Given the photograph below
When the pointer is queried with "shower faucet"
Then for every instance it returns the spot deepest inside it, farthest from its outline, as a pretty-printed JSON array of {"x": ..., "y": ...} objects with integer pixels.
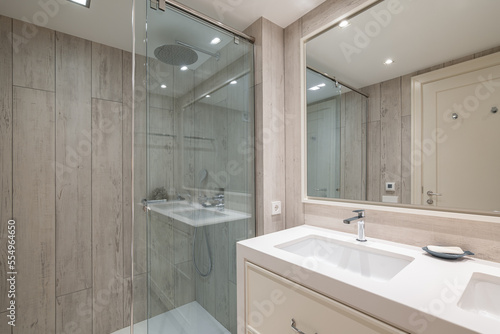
[{"x": 361, "y": 224}]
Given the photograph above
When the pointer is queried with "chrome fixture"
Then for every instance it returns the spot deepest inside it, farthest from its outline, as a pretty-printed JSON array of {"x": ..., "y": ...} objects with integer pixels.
[
  {"x": 494, "y": 110},
  {"x": 337, "y": 82},
  {"x": 182, "y": 197},
  {"x": 454, "y": 116},
  {"x": 145, "y": 203},
  {"x": 217, "y": 201},
  {"x": 195, "y": 48},
  {"x": 361, "y": 224},
  {"x": 85, "y": 3},
  {"x": 294, "y": 327},
  {"x": 430, "y": 193}
]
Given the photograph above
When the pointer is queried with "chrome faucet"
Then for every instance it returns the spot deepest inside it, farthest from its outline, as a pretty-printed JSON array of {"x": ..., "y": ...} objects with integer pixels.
[
  {"x": 182, "y": 197},
  {"x": 361, "y": 224}
]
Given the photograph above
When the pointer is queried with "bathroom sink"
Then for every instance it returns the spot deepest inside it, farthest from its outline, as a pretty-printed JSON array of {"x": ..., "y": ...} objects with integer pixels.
[
  {"x": 481, "y": 296},
  {"x": 198, "y": 213},
  {"x": 356, "y": 258}
]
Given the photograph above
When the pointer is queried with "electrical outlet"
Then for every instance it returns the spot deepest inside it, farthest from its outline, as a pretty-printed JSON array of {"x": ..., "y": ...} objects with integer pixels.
[{"x": 276, "y": 208}]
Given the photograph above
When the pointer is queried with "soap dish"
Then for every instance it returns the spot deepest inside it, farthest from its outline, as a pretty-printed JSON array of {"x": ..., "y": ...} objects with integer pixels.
[{"x": 446, "y": 255}]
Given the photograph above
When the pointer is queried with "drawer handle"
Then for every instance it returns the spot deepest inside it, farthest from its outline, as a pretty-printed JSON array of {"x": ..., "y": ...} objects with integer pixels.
[{"x": 295, "y": 328}]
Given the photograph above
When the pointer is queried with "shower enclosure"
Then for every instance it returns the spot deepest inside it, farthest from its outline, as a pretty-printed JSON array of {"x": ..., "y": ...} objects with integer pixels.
[{"x": 193, "y": 171}]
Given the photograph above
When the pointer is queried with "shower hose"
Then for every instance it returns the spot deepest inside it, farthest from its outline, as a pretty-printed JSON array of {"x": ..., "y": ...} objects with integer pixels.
[{"x": 202, "y": 274}]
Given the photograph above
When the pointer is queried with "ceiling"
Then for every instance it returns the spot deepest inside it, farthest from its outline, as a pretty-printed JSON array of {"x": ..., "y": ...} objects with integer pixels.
[
  {"x": 109, "y": 21},
  {"x": 416, "y": 35}
]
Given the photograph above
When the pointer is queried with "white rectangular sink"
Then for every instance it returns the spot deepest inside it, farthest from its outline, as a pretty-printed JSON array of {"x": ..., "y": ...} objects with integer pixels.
[
  {"x": 482, "y": 296},
  {"x": 356, "y": 258}
]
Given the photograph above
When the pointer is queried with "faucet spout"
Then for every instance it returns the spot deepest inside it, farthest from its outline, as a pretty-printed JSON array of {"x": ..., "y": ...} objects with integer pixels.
[{"x": 361, "y": 224}]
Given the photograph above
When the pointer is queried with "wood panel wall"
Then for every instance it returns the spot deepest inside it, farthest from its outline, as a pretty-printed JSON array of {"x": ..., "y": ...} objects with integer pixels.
[
  {"x": 65, "y": 175},
  {"x": 269, "y": 124}
]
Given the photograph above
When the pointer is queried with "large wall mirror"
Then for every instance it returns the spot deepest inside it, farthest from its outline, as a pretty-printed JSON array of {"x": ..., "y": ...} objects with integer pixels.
[{"x": 402, "y": 106}]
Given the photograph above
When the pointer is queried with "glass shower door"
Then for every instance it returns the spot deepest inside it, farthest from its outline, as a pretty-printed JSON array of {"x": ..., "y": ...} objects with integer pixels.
[{"x": 197, "y": 124}]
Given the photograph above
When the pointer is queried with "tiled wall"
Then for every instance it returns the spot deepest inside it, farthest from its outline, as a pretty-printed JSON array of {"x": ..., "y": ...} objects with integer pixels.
[{"x": 65, "y": 151}]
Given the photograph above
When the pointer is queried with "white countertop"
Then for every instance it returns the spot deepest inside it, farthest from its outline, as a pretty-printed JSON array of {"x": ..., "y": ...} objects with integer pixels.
[
  {"x": 195, "y": 214},
  {"x": 422, "y": 298}
]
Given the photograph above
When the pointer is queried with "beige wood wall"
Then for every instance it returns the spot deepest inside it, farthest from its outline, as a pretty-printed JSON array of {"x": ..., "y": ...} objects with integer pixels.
[
  {"x": 402, "y": 225},
  {"x": 65, "y": 177},
  {"x": 269, "y": 125}
]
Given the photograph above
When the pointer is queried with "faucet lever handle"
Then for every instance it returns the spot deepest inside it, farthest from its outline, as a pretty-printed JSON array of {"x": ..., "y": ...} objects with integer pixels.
[{"x": 361, "y": 213}]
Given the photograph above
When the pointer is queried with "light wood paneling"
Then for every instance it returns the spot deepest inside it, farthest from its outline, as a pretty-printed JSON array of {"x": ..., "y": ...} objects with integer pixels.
[
  {"x": 5, "y": 328},
  {"x": 5, "y": 151},
  {"x": 390, "y": 129},
  {"x": 373, "y": 162},
  {"x": 34, "y": 209},
  {"x": 74, "y": 312},
  {"x": 106, "y": 72},
  {"x": 294, "y": 208},
  {"x": 34, "y": 52},
  {"x": 127, "y": 143},
  {"x": 73, "y": 161},
  {"x": 107, "y": 218},
  {"x": 406, "y": 159}
]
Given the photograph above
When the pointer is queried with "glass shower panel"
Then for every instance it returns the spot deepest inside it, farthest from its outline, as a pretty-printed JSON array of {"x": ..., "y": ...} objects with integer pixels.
[{"x": 196, "y": 138}]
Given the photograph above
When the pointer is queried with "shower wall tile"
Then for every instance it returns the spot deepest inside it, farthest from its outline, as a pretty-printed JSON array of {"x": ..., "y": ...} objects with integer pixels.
[
  {"x": 73, "y": 161},
  {"x": 5, "y": 149},
  {"x": 106, "y": 72},
  {"x": 34, "y": 56},
  {"x": 184, "y": 283},
  {"x": 107, "y": 216},
  {"x": 127, "y": 156},
  {"x": 34, "y": 208},
  {"x": 373, "y": 162},
  {"x": 406, "y": 159},
  {"x": 221, "y": 273},
  {"x": 233, "y": 316},
  {"x": 5, "y": 328},
  {"x": 74, "y": 312}
]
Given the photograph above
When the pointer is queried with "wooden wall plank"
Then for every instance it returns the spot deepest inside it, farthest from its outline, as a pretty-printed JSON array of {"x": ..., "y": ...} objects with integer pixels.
[
  {"x": 5, "y": 150},
  {"x": 5, "y": 328},
  {"x": 33, "y": 63},
  {"x": 73, "y": 161},
  {"x": 34, "y": 208},
  {"x": 390, "y": 125},
  {"x": 373, "y": 162},
  {"x": 107, "y": 69},
  {"x": 406, "y": 160},
  {"x": 293, "y": 173},
  {"x": 74, "y": 312},
  {"x": 127, "y": 143},
  {"x": 107, "y": 216},
  {"x": 354, "y": 110}
]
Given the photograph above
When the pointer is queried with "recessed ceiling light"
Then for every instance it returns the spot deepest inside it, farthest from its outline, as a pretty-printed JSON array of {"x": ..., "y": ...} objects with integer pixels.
[
  {"x": 344, "y": 24},
  {"x": 163, "y": 86},
  {"x": 321, "y": 85},
  {"x": 215, "y": 41},
  {"x": 314, "y": 88},
  {"x": 207, "y": 96},
  {"x": 234, "y": 82},
  {"x": 85, "y": 3},
  {"x": 184, "y": 68},
  {"x": 388, "y": 61}
]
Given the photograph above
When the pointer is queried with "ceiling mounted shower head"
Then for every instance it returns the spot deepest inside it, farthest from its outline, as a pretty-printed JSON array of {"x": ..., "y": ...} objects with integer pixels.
[{"x": 176, "y": 55}]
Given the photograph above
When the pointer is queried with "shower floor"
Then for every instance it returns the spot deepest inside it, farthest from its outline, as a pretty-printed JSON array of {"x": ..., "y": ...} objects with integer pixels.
[{"x": 191, "y": 318}]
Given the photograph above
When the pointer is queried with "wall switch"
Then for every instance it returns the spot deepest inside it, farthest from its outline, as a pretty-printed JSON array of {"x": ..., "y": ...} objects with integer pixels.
[
  {"x": 276, "y": 208},
  {"x": 390, "y": 187}
]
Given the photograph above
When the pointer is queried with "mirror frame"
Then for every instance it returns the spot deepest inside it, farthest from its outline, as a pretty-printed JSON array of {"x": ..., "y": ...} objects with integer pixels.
[{"x": 388, "y": 207}]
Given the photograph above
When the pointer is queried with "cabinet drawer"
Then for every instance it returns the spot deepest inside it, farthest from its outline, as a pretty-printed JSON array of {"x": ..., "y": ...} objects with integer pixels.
[{"x": 273, "y": 301}]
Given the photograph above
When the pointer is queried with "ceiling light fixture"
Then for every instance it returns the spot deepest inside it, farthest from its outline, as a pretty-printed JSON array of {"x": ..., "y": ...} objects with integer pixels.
[
  {"x": 215, "y": 41},
  {"x": 344, "y": 24},
  {"x": 85, "y": 3},
  {"x": 321, "y": 85},
  {"x": 388, "y": 61},
  {"x": 184, "y": 68},
  {"x": 207, "y": 96},
  {"x": 314, "y": 88},
  {"x": 234, "y": 82},
  {"x": 163, "y": 86}
]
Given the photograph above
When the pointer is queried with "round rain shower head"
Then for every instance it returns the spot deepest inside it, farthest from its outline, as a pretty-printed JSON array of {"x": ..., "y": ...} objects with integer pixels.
[{"x": 176, "y": 55}]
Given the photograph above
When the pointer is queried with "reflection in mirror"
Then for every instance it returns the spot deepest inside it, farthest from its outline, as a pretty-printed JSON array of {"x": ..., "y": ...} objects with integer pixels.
[
  {"x": 433, "y": 91},
  {"x": 336, "y": 138}
]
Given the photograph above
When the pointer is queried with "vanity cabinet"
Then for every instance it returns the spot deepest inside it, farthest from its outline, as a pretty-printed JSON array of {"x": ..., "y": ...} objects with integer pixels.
[{"x": 273, "y": 301}]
